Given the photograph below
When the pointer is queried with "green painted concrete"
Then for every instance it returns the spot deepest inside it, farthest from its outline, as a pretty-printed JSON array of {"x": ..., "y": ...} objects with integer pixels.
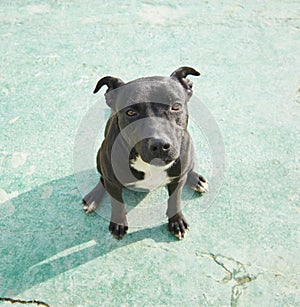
[{"x": 243, "y": 250}]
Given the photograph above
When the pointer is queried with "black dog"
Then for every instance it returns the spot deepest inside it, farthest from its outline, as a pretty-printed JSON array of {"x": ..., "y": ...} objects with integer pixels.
[{"x": 147, "y": 145}]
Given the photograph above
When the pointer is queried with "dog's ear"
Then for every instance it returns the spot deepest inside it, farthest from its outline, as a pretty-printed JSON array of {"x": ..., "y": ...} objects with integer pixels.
[
  {"x": 111, "y": 83},
  {"x": 180, "y": 75}
]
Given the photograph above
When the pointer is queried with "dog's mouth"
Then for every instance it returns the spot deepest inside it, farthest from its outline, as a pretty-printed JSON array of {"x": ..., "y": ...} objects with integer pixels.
[
  {"x": 153, "y": 166},
  {"x": 155, "y": 154},
  {"x": 158, "y": 160},
  {"x": 165, "y": 162}
]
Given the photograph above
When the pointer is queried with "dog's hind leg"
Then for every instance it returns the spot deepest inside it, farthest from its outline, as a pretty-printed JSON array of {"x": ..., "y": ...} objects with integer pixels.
[
  {"x": 92, "y": 200},
  {"x": 197, "y": 182}
]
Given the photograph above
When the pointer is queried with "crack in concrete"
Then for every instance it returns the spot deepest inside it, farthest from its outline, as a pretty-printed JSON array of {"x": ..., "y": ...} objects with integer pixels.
[
  {"x": 205, "y": 299},
  {"x": 228, "y": 272},
  {"x": 238, "y": 274},
  {"x": 18, "y": 301}
]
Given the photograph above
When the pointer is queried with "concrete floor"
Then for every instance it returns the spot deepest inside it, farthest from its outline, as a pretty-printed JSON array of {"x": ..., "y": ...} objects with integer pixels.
[{"x": 242, "y": 249}]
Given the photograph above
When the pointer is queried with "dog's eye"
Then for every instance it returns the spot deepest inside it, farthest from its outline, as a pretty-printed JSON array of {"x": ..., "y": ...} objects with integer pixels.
[
  {"x": 131, "y": 112},
  {"x": 176, "y": 107}
]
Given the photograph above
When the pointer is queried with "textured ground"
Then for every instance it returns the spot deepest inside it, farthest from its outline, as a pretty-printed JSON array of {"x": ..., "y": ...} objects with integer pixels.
[{"x": 244, "y": 249}]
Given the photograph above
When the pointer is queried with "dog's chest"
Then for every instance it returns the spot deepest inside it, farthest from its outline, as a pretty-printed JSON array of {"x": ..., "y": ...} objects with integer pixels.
[{"x": 154, "y": 176}]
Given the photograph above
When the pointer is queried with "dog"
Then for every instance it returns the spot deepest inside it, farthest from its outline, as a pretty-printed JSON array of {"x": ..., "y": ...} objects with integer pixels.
[{"x": 146, "y": 145}]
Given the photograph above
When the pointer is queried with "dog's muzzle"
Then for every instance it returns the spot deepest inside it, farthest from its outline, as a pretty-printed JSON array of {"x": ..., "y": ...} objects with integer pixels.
[{"x": 155, "y": 149}]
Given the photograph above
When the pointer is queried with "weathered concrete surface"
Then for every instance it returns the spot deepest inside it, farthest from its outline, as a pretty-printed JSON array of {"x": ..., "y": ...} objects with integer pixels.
[{"x": 243, "y": 250}]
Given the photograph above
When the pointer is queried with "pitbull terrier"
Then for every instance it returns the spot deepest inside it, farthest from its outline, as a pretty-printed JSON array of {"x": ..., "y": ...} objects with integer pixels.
[{"x": 146, "y": 145}]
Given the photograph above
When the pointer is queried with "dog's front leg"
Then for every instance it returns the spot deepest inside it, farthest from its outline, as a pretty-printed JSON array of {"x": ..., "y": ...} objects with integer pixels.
[
  {"x": 118, "y": 225},
  {"x": 177, "y": 223}
]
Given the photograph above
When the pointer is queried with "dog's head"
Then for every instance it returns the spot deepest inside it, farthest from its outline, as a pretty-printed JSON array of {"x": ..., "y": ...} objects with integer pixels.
[{"x": 151, "y": 112}]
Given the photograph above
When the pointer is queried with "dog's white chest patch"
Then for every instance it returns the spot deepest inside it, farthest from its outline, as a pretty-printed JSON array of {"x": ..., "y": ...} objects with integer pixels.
[{"x": 155, "y": 176}]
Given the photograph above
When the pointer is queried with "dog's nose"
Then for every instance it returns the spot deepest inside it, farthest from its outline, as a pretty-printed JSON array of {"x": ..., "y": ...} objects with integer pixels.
[{"x": 159, "y": 146}]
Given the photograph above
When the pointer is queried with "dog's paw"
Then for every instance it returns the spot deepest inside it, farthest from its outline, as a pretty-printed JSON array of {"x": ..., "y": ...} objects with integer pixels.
[
  {"x": 178, "y": 226},
  {"x": 197, "y": 182},
  {"x": 118, "y": 230},
  {"x": 89, "y": 207},
  {"x": 92, "y": 200}
]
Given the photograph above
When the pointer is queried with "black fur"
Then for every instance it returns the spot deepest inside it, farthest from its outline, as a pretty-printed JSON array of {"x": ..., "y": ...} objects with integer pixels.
[{"x": 153, "y": 101}]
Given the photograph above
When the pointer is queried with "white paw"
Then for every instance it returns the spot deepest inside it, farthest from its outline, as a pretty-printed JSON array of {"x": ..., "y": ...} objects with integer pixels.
[{"x": 89, "y": 208}]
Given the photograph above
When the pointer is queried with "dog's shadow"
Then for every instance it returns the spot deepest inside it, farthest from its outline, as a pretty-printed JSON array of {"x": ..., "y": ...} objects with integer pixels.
[{"x": 45, "y": 232}]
